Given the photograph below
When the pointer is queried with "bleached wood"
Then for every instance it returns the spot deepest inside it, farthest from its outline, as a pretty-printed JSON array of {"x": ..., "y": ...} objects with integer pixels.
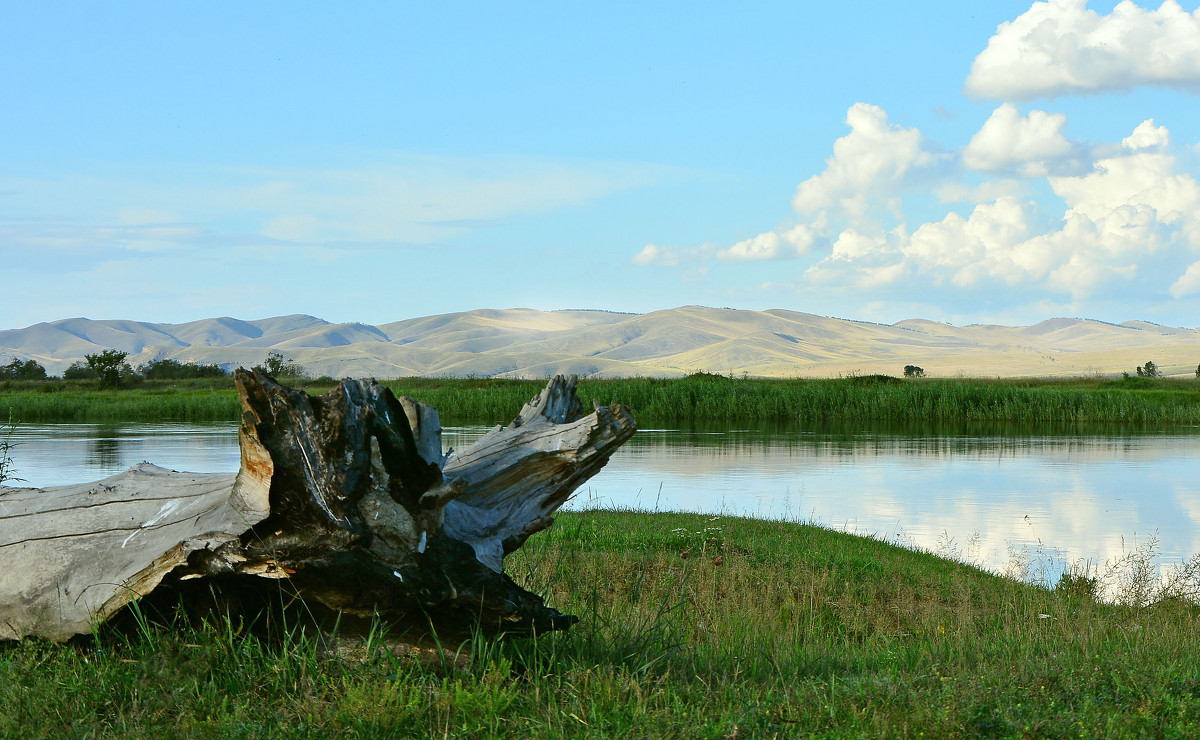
[
  {"x": 348, "y": 496},
  {"x": 71, "y": 556},
  {"x": 517, "y": 476}
]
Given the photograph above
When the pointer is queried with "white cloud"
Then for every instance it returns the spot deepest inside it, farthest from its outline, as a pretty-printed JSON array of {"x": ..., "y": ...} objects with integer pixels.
[
  {"x": 652, "y": 254},
  {"x": 1188, "y": 283},
  {"x": 1131, "y": 210},
  {"x": 771, "y": 245},
  {"x": 985, "y": 244},
  {"x": 982, "y": 193},
  {"x": 1130, "y": 222},
  {"x": 871, "y": 160},
  {"x": 1032, "y": 145},
  {"x": 1135, "y": 189},
  {"x": 1147, "y": 136},
  {"x": 1060, "y": 47}
]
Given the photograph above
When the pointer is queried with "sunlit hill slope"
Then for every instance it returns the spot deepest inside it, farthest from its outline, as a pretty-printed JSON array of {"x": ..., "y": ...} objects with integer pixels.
[{"x": 529, "y": 343}]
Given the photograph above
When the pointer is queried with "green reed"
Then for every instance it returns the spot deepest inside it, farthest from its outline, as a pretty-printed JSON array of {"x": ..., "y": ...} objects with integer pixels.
[{"x": 698, "y": 398}]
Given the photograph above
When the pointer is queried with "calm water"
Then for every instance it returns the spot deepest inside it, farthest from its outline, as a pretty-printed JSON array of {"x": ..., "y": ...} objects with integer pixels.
[{"x": 1083, "y": 496}]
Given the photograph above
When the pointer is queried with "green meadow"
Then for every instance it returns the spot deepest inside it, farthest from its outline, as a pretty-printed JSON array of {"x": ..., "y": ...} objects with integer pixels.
[
  {"x": 691, "y": 626},
  {"x": 696, "y": 398}
]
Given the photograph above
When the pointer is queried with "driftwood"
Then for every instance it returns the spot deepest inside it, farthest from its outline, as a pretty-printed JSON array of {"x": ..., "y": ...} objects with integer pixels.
[{"x": 347, "y": 498}]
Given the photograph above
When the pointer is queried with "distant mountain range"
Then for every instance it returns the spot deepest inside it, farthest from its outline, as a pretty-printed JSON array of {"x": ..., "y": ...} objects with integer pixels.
[{"x": 528, "y": 343}]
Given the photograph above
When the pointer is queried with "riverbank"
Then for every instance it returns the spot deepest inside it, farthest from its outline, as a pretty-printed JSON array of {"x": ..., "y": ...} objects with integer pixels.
[
  {"x": 697, "y": 398},
  {"x": 690, "y": 627}
]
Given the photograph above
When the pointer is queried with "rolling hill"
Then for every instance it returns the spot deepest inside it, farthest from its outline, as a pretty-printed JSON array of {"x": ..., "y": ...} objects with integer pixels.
[{"x": 529, "y": 343}]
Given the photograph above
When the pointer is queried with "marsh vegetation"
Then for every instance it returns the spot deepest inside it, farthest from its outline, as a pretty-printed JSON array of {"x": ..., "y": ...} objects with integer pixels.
[{"x": 700, "y": 397}]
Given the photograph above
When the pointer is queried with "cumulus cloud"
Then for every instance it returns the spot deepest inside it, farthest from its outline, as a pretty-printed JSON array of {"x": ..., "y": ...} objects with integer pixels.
[
  {"x": 1031, "y": 146},
  {"x": 1147, "y": 136},
  {"x": 984, "y": 244},
  {"x": 1188, "y": 283},
  {"x": 873, "y": 159},
  {"x": 652, "y": 254},
  {"x": 1133, "y": 208},
  {"x": 865, "y": 176},
  {"x": 957, "y": 192},
  {"x": 771, "y": 245},
  {"x": 1129, "y": 216},
  {"x": 1061, "y": 47},
  {"x": 1136, "y": 189}
]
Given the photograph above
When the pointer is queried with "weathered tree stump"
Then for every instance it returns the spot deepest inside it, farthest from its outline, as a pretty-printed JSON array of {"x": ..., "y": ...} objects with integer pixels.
[{"x": 347, "y": 497}]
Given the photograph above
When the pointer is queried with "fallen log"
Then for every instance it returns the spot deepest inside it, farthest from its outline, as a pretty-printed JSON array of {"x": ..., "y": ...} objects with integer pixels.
[{"x": 347, "y": 498}]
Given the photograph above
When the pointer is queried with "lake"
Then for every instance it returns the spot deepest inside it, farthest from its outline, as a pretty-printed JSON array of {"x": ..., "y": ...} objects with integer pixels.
[{"x": 1044, "y": 496}]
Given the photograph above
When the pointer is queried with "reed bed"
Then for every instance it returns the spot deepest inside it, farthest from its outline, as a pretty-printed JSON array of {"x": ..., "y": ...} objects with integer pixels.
[
  {"x": 692, "y": 626},
  {"x": 698, "y": 398}
]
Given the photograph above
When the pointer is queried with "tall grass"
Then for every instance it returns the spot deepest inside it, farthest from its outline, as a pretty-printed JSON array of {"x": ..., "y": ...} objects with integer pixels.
[
  {"x": 6, "y": 445},
  {"x": 691, "y": 626},
  {"x": 870, "y": 399}
]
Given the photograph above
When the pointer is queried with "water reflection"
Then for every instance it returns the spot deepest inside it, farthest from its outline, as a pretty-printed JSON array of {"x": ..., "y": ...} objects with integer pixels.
[
  {"x": 1072, "y": 497},
  {"x": 1074, "y": 492},
  {"x": 104, "y": 451},
  {"x": 58, "y": 454}
]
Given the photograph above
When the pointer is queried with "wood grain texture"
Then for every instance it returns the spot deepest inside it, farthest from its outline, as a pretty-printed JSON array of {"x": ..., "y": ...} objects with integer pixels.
[{"x": 347, "y": 496}]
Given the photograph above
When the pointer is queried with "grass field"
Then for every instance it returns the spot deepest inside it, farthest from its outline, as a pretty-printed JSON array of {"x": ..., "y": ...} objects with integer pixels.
[
  {"x": 691, "y": 627},
  {"x": 874, "y": 399}
]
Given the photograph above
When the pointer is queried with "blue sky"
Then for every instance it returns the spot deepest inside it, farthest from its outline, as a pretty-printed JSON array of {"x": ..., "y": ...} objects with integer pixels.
[{"x": 967, "y": 162}]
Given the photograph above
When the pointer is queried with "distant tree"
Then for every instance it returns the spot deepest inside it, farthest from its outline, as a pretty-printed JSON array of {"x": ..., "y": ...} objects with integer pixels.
[
  {"x": 110, "y": 367},
  {"x": 912, "y": 371},
  {"x": 1149, "y": 370},
  {"x": 1198, "y": 371},
  {"x": 162, "y": 369},
  {"x": 79, "y": 370},
  {"x": 17, "y": 370},
  {"x": 278, "y": 366}
]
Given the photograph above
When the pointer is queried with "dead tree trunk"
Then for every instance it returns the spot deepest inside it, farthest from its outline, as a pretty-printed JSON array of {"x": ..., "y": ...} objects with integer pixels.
[{"x": 347, "y": 496}]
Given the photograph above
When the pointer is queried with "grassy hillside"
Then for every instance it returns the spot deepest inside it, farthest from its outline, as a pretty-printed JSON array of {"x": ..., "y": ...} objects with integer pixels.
[
  {"x": 701, "y": 397},
  {"x": 691, "y": 627},
  {"x": 524, "y": 343}
]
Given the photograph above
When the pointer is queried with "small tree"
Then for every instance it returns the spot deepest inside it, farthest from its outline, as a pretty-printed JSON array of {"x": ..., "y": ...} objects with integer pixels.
[
  {"x": 1198, "y": 371},
  {"x": 278, "y": 366},
  {"x": 110, "y": 367},
  {"x": 1149, "y": 370},
  {"x": 912, "y": 371}
]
